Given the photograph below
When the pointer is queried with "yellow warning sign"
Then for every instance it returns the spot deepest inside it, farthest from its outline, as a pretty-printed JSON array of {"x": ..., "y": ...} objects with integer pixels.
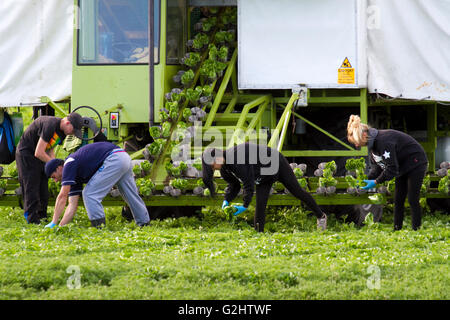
[
  {"x": 346, "y": 63},
  {"x": 346, "y": 73}
]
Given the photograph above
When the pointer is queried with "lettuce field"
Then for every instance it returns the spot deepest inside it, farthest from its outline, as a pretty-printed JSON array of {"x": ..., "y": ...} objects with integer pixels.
[{"x": 209, "y": 257}]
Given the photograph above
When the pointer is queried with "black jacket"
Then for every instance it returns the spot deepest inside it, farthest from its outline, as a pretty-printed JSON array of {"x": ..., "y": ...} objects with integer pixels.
[
  {"x": 393, "y": 154},
  {"x": 248, "y": 164}
]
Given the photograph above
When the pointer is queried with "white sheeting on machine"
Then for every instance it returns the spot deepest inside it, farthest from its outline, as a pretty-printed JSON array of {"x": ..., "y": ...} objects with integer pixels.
[
  {"x": 35, "y": 50},
  {"x": 409, "y": 48},
  {"x": 284, "y": 43},
  {"x": 396, "y": 47}
]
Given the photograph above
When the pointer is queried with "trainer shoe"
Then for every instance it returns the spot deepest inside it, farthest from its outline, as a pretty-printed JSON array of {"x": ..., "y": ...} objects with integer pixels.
[{"x": 322, "y": 223}]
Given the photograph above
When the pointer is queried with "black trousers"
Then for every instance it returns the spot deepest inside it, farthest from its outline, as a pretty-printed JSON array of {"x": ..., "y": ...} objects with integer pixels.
[
  {"x": 409, "y": 185},
  {"x": 34, "y": 185},
  {"x": 287, "y": 177}
]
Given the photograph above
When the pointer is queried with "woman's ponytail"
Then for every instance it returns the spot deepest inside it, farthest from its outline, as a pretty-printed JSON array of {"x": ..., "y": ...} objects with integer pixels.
[{"x": 355, "y": 130}]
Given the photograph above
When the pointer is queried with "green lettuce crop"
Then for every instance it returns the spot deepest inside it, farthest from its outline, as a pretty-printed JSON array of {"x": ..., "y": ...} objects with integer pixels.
[
  {"x": 191, "y": 59},
  {"x": 155, "y": 132},
  {"x": 181, "y": 184},
  {"x": 165, "y": 129},
  {"x": 145, "y": 186},
  {"x": 187, "y": 77}
]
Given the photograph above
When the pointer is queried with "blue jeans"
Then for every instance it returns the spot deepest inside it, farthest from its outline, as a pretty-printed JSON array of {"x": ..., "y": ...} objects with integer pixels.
[{"x": 116, "y": 170}]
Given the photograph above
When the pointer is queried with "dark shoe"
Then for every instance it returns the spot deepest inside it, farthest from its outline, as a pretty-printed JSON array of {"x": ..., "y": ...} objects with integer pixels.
[
  {"x": 322, "y": 223},
  {"x": 42, "y": 214},
  {"x": 98, "y": 223},
  {"x": 33, "y": 217},
  {"x": 259, "y": 227},
  {"x": 145, "y": 224},
  {"x": 126, "y": 213}
]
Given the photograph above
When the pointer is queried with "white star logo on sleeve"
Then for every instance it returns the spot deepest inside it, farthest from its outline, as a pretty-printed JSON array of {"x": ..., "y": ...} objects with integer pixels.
[{"x": 386, "y": 154}]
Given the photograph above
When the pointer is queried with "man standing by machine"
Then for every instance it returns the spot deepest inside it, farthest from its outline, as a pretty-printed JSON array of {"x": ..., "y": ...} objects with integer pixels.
[{"x": 35, "y": 148}]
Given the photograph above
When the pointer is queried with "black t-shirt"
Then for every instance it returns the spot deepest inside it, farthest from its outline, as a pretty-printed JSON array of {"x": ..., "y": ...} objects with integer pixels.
[{"x": 45, "y": 127}]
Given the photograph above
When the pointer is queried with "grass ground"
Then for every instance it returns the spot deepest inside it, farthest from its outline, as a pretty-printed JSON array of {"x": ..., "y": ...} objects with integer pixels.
[{"x": 212, "y": 258}]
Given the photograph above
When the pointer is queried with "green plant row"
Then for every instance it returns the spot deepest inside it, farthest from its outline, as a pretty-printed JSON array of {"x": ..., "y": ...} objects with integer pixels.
[{"x": 187, "y": 104}]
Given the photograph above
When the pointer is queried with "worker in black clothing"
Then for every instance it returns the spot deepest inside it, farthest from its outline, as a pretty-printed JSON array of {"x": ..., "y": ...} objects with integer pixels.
[
  {"x": 35, "y": 148},
  {"x": 393, "y": 154},
  {"x": 254, "y": 164}
]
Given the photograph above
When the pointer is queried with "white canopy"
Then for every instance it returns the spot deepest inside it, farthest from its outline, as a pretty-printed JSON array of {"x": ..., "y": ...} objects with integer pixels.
[
  {"x": 35, "y": 50},
  {"x": 409, "y": 48},
  {"x": 399, "y": 48}
]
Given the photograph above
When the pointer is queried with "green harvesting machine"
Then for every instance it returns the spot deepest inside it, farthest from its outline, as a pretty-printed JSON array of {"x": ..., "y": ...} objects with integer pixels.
[{"x": 162, "y": 78}]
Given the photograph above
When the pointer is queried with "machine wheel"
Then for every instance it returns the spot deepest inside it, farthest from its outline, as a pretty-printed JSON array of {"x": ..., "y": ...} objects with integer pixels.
[{"x": 88, "y": 124}]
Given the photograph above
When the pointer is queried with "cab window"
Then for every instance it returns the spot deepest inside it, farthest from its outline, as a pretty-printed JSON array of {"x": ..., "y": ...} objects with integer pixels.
[
  {"x": 176, "y": 35},
  {"x": 116, "y": 32}
]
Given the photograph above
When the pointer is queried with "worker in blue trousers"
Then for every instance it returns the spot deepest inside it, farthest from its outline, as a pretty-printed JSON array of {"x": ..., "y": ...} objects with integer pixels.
[{"x": 100, "y": 166}]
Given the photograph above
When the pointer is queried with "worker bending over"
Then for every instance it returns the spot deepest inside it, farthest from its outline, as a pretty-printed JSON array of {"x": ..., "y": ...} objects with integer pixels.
[
  {"x": 100, "y": 165},
  {"x": 393, "y": 154},
  {"x": 252, "y": 164}
]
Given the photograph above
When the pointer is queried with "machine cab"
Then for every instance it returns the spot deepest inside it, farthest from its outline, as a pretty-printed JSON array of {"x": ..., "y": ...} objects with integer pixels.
[{"x": 111, "y": 69}]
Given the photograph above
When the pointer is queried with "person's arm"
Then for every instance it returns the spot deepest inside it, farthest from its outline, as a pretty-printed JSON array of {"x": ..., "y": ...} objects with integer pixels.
[
  {"x": 375, "y": 169},
  {"x": 234, "y": 185},
  {"x": 70, "y": 210},
  {"x": 60, "y": 203},
  {"x": 392, "y": 168},
  {"x": 51, "y": 153},
  {"x": 40, "y": 151},
  {"x": 245, "y": 172}
]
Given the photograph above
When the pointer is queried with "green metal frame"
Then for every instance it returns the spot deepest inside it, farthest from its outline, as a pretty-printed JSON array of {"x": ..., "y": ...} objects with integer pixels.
[
  {"x": 329, "y": 101},
  {"x": 62, "y": 111},
  {"x": 432, "y": 131},
  {"x": 277, "y": 199}
]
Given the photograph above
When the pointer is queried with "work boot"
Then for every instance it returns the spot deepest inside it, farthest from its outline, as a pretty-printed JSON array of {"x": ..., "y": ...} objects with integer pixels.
[
  {"x": 259, "y": 227},
  {"x": 98, "y": 223},
  {"x": 322, "y": 223},
  {"x": 145, "y": 224},
  {"x": 42, "y": 215},
  {"x": 127, "y": 214},
  {"x": 33, "y": 217}
]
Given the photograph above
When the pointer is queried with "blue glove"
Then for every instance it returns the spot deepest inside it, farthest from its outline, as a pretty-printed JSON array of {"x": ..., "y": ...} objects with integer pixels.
[
  {"x": 370, "y": 184},
  {"x": 240, "y": 209},
  {"x": 51, "y": 225},
  {"x": 225, "y": 204}
]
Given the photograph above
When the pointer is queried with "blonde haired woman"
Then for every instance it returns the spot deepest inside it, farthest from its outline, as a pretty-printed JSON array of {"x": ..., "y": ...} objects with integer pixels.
[{"x": 393, "y": 154}]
